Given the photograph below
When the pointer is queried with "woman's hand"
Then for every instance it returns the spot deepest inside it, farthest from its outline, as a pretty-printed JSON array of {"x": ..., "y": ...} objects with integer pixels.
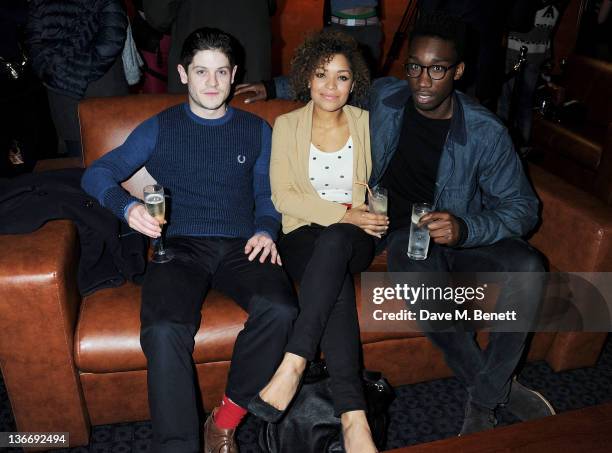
[{"x": 373, "y": 224}]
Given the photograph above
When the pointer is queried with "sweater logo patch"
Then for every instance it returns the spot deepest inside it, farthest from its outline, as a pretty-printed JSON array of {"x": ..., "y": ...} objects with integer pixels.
[{"x": 241, "y": 158}]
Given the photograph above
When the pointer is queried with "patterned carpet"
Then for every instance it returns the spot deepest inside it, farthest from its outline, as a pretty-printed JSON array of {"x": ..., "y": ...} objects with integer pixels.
[{"x": 421, "y": 413}]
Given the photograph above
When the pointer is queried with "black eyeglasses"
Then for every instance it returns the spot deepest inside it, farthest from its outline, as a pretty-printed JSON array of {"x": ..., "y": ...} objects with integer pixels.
[{"x": 435, "y": 71}]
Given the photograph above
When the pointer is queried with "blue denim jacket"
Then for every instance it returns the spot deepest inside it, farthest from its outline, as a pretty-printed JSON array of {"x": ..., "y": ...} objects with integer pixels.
[{"x": 480, "y": 176}]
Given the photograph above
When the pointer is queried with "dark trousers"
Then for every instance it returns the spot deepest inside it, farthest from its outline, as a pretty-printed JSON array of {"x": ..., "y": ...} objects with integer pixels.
[
  {"x": 172, "y": 298},
  {"x": 322, "y": 260},
  {"x": 369, "y": 38},
  {"x": 64, "y": 109},
  {"x": 486, "y": 374}
]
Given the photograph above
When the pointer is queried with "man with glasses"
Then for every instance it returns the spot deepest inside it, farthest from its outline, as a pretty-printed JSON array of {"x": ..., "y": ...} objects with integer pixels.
[{"x": 433, "y": 144}]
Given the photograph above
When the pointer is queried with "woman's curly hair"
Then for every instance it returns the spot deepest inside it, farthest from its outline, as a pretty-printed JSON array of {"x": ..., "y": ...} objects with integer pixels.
[{"x": 317, "y": 50}]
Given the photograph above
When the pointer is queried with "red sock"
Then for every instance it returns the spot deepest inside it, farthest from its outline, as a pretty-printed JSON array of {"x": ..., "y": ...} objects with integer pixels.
[{"x": 229, "y": 414}]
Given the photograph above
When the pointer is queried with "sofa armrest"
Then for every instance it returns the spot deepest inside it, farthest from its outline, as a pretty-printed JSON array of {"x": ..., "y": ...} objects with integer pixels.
[
  {"x": 39, "y": 304},
  {"x": 576, "y": 236},
  {"x": 576, "y": 229},
  {"x": 571, "y": 350}
]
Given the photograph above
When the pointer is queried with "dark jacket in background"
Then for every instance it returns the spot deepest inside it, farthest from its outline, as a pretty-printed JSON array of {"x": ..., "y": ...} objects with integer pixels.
[
  {"x": 246, "y": 20},
  {"x": 485, "y": 20},
  {"x": 74, "y": 42},
  {"x": 111, "y": 252}
]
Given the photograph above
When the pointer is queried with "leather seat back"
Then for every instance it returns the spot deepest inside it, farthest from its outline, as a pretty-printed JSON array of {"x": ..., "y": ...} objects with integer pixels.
[
  {"x": 106, "y": 123},
  {"x": 590, "y": 81}
]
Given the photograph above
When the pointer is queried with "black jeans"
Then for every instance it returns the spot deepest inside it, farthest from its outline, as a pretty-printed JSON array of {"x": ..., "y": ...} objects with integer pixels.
[
  {"x": 322, "y": 260},
  {"x": 172, "y": 298},
  {"x": 486, "y": 374}
]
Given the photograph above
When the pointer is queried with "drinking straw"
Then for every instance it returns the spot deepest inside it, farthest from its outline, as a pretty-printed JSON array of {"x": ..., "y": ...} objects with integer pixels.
[{"x": 366, "y": 186}]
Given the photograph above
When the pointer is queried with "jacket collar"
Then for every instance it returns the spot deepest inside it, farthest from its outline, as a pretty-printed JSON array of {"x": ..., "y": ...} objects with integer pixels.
[{"x": 457, "y": 132}]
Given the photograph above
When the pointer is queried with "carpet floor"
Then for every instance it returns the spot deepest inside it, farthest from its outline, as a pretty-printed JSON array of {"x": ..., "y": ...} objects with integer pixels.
[{"x": 420, "y": 413}]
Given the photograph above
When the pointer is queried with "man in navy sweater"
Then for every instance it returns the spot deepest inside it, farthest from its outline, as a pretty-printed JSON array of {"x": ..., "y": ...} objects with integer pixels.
[{"x": 213, "y": 160}]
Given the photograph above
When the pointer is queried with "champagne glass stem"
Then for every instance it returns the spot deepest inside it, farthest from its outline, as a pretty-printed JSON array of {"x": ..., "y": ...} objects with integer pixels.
[{"x": 160, "y": 244}]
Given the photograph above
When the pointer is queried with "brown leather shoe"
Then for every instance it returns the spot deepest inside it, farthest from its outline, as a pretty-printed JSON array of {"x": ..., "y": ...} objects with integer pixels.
[{"x": 217, "y": 440}]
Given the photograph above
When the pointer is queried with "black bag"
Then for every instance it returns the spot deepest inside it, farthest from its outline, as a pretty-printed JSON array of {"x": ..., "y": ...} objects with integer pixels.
[{"x": 310, "y": 425}]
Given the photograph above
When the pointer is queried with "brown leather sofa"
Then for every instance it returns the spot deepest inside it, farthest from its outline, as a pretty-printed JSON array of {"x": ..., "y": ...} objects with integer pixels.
[
  {"x": 581, "y": 152},
  {"x": 69, "y": 363}
]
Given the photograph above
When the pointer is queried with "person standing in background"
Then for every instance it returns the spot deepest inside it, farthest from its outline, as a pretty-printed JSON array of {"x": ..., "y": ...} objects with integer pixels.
[
  {"x": 27, "y": 133},
  {"x": 154, "y": 47},
  {"x": 356, "y": 18},
  {"x": 537, "y": 40},
  {"x": 485, "y": 22},
  {"x": 359, "y": 19},
  {"x": 595, "y": 36},
  {"x": 72, "y": 64},
  {"x": 246, "y": 20}
]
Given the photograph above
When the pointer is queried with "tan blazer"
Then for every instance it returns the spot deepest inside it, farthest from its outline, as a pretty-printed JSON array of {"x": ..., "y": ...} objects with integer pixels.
[{"x": 292, "y": 193}]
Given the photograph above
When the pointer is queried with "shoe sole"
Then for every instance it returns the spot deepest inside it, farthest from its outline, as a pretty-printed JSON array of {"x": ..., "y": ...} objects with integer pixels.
[
  {"x": 552, "y": 409},
  {"x": 548, "y": 405}
]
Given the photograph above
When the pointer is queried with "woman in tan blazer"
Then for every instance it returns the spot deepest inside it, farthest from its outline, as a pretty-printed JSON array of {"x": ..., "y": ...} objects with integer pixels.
[{"x": 320, "y": 161}]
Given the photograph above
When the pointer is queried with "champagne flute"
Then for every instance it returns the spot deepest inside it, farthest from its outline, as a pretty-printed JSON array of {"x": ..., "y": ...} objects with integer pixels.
[{"x": 155, "y": 202}]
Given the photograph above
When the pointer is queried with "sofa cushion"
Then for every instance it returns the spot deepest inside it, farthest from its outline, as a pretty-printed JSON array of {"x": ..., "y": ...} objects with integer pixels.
[
  {"x": 589, "y": 81},
  {"x": 571, "y": 216},
  {"x": 107, "y": 338},
  {"x": 107, "y": 335},
  {"x": 103, "y": 130}
]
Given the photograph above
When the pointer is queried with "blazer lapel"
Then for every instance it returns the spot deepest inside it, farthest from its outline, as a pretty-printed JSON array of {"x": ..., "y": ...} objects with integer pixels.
[
  {"x": 358, "y": 159},
  {"x": 303, "y": 140}
]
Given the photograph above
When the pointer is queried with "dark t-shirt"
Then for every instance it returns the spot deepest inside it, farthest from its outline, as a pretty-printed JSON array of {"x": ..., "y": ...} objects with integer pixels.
[{"x": 411, "y": 174}]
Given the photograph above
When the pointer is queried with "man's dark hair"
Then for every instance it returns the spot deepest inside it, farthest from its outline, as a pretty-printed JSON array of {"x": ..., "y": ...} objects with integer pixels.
[
  {"x": 317, "y": 50},
  {"x": 438, "y": 24},
  {"x": 208, "y": 39}
]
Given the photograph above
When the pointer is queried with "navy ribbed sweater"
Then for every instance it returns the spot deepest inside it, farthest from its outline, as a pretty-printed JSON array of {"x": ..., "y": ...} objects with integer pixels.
[{"x": 215, "y": 171}]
